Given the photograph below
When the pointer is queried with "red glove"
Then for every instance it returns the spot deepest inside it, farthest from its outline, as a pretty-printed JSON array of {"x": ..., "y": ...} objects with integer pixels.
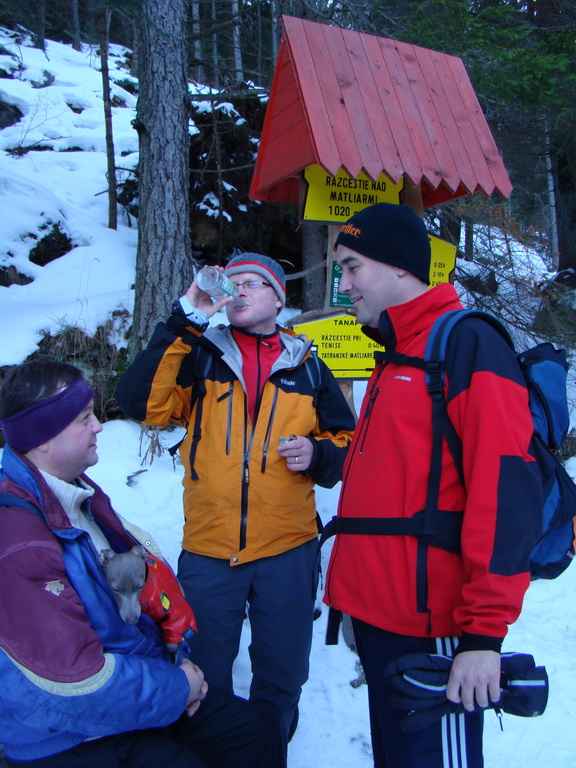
[{"x": 163, "y": 600}]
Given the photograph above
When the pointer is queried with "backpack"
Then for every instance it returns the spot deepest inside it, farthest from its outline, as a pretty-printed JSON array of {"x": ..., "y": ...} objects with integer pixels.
[{"x": 544, "y": 369}]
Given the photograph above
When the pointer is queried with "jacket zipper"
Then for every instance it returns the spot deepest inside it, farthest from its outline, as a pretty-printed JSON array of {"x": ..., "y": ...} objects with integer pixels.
[
  {"x": 375, "y": 391},
  {"x": 245, "y": 478},
  {"x": 269, "y": 430},
  {"x": 230, "y": 396},
  {"x": 247, "y": 452}
]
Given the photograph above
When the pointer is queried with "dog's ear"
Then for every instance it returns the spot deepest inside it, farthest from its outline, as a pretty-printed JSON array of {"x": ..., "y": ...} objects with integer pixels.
[
  {"x": 139, "y": 551},
  {"x": 106, "y": 555}
]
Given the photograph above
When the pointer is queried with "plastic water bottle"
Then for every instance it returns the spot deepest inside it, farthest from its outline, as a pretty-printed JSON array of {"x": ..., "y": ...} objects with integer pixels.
[{"x": 217, "y": 285}]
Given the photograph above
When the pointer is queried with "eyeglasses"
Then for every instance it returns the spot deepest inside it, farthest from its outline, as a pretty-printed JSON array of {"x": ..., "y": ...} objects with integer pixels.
[{"x": 252, "y": 285}]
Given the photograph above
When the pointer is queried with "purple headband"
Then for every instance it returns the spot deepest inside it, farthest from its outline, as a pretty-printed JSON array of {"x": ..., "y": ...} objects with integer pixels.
[{"x": 45, "y": 419}]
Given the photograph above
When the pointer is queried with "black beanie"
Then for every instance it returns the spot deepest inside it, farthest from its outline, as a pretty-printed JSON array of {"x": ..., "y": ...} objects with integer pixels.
[{"x": 393, "y": 234}]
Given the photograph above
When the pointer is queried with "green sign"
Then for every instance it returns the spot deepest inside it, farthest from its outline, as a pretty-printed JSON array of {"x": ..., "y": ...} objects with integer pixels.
[{"x": 337, "y": 299}]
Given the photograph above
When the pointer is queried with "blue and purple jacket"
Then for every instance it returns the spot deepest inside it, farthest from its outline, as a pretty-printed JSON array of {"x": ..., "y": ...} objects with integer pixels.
[{"x": 71, "y": 669}]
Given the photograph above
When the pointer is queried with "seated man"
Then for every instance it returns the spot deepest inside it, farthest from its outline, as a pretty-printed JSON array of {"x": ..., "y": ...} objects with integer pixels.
[{"x": 80, "y": 687}]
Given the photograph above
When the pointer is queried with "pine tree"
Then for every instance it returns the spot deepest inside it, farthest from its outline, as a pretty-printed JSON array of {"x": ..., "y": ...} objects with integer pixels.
[{"x": 164, "y": 266}]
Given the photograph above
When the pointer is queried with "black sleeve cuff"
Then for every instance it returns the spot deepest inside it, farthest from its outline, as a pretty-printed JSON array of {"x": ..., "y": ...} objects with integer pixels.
[
  {"x": 315, "y": 453},
  {"x": 468, "y": 642}
]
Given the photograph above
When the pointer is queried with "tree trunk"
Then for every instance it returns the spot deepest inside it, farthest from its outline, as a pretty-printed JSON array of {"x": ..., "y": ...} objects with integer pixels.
[
  {"x": 164, "y": 264},
  {"x": 103, "y": 30},
  {"x": 468, "y": 240},
  {"x": 238, "y": 66},
  {"x": 215, "y": 66},
  {"x": 313, "y": 250},
  {"x": 552, "y": 216},
  {"x": 197, "y": 42},
  {"x": 259, "y": 68},
  {"x": 90, "y": 23},
  {"x": 40, "y": 38},
  {"x": 76, "y": 42},
  {"x": 134, "y": 58},
  {"x": 565, "y": 172},
  {"x": 219, "y": 181},
  {"x": 274, "y": 31}
]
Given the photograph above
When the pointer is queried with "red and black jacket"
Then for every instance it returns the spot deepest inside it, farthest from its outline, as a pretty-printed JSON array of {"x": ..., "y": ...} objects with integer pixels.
[{"x": 376, "y": 579}]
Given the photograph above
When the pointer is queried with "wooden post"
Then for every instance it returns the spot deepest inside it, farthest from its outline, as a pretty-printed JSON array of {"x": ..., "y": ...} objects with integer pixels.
[
  {"x": 346, "y": 385},
  {"x": 411, "y": 195}
]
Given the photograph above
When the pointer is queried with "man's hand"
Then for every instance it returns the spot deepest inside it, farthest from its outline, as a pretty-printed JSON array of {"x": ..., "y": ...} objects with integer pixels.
[
  {"x": 475, "y": 677},
  {"x": 298, "y": 453},
  {"x": 198, "y": 686},
  {"x": 201, "y": 300}
]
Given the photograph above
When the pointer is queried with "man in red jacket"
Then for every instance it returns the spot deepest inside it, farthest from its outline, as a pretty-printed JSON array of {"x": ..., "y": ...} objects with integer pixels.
[{"x": 404, "y": 596}]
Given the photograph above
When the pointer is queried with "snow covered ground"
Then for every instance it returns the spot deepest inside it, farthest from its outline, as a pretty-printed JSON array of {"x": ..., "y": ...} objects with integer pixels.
[{"x": 85, "y": 286}]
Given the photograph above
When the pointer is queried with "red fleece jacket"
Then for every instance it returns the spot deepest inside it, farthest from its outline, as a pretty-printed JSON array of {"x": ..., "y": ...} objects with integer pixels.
[{"x": 374, "y": 578}]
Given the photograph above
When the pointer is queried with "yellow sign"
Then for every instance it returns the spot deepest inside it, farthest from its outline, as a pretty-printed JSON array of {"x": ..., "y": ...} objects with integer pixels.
[
  {"x": 341, "y": 344},
  {"x": 336, "y": 198},
  {"x": 443, "y": 260}
]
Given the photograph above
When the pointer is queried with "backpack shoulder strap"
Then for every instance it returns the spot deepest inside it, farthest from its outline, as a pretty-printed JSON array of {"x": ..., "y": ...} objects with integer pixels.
[
  {"x": 202, "y": 362},
  {"x": 440, "y": 333},
  {"x": 435, "y": 369}
]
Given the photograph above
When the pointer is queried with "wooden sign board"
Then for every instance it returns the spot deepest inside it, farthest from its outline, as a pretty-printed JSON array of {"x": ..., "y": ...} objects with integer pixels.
[
  {"x": 342, "y": 346},
  {"x": 333, "y": 199}
]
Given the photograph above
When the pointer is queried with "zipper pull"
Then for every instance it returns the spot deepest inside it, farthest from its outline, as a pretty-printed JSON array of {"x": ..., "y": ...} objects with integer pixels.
[
  {"x": 371, "y": 402},
  {"x": 498, "y": 712}
]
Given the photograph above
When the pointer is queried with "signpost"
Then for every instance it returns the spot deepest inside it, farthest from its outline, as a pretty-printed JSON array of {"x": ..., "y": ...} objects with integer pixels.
[{"x": 333, "y": 200}]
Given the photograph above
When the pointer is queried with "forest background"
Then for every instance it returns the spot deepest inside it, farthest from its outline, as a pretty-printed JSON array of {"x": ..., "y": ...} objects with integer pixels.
[
  {"x": 520, "y": 57},
  {"x": 189, "y": 190}
]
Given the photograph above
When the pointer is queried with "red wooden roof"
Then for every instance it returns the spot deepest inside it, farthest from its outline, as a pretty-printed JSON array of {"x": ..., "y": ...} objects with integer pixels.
[{"x": 349, "y": 100}]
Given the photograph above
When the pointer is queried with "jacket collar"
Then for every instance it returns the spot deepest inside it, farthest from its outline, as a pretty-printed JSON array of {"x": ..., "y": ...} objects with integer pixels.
[
  {"x": 398, "y": 325},
  {"x": 295, "y": 348},
  {"x": 257, "y": 336}
]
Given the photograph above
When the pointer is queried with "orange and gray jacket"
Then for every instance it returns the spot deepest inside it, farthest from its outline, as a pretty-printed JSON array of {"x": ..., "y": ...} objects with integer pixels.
[{"x": 240, "y": 501}]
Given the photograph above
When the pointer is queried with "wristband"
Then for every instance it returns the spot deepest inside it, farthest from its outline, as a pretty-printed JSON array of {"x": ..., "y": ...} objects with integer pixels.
[{"x": 194, "y": 314}]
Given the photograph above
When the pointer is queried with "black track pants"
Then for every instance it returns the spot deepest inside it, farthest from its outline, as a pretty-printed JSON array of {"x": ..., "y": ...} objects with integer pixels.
[{"x": 455, "y": 741}]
